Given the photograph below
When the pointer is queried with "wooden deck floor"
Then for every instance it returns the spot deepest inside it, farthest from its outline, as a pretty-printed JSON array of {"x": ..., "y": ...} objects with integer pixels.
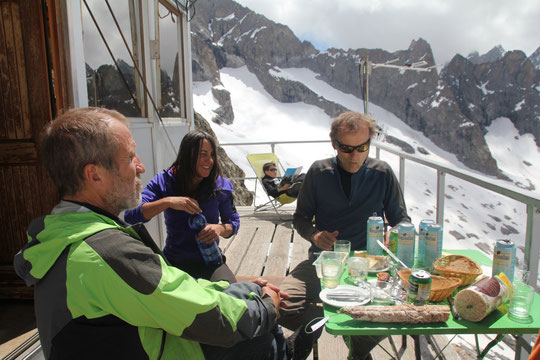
[{"x": 267, "y": 245}]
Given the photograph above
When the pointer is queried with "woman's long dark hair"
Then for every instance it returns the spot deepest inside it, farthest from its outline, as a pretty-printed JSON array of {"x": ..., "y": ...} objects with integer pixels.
[{"x": 184, "y": 167}]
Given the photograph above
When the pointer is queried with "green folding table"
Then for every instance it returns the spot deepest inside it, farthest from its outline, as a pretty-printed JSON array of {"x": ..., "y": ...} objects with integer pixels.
[{"x": 496, "y": 323}]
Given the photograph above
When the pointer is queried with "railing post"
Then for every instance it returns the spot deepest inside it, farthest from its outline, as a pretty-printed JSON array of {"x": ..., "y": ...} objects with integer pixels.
[
  {"x": 532, "y": 243},
  {"x": 378, "y": 153},
  {"x": 273, "y": 146},
  {"x": 441, "y": 177},
  {"x": 402, "y": 173},
  {"x": 255, "y": 194}
]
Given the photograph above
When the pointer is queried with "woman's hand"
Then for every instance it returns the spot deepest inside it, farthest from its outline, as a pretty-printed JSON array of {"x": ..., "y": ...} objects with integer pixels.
[
  {"x": 210, "y": 233},
  {"x": 187, "y": 204}
]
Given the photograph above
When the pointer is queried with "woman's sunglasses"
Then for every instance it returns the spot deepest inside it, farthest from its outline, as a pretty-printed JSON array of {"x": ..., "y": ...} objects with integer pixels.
[{"x": 347, "y": 149}]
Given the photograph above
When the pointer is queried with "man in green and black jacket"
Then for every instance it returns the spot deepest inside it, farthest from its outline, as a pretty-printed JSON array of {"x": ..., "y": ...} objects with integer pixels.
[{"x": 102, "y": 288}]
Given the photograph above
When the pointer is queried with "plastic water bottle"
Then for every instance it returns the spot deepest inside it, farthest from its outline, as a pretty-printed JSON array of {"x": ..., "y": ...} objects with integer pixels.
[{"x": 210, "y": 252}]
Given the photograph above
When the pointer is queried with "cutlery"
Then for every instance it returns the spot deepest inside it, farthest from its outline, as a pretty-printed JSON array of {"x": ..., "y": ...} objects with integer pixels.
[
  {"x": 391, "y": 254},
  {"x": 346, "y": 296}
]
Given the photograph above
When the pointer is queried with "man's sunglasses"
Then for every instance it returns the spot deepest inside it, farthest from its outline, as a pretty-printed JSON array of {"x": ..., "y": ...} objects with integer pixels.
[
  {"x": 272, "y": 169},
  {"x": 347, "y": 149}
]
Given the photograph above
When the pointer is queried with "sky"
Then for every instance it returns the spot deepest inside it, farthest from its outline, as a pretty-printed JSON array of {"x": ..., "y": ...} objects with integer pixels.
[{"x": 449, "y": 26}]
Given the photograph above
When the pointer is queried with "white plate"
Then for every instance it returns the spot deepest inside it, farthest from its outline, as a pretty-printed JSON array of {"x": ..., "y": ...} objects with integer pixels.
[{"x": 343, "y": 288}]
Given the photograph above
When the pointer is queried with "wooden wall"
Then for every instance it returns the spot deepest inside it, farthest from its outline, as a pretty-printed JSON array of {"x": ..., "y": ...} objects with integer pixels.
[{"x": 26, "y": 105}]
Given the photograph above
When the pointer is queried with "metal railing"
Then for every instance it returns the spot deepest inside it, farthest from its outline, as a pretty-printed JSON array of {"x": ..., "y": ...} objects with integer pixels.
[{"x": 532, "y": 202}]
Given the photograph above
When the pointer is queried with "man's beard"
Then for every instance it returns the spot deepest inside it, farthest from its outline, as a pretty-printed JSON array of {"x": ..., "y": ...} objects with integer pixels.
[{"x": 123, "y": 196}]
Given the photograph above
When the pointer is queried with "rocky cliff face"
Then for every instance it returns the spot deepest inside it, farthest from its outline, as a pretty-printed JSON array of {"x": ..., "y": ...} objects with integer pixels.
[
  {"x": 242, "y": 196},
  {"x": 507, "y": 87},
  {"x": 452, "y": 108}
]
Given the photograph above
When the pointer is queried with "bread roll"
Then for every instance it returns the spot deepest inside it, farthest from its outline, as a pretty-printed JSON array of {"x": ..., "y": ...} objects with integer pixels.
[{"x": 480, "y": 299}]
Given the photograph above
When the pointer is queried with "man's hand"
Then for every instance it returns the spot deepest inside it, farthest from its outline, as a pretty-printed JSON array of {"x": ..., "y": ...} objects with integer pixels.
[
  {"x": 275, "y": 297},
  {"x": 265, "y": 284},
  {"x": 324, "y": 239},
  {"x": 387, "y": 238},
  {"x": 187, "y": 204},
  {"x": 285, "y": 187},
  {"x": 210, "y": 233}
]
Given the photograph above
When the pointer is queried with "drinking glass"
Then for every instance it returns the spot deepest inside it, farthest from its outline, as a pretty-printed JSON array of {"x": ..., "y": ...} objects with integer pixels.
[
  {"x": 521, "y": 274},
  {"x": 343, "y": 246},
  {"x": 381, "y": 292},
  {"x": 520, "y": 302},
  {"x": 358, "y": 269},
  {"x": 331, "y": 272}
]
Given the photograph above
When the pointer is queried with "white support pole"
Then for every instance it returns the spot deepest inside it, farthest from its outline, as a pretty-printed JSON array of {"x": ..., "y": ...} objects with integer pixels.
[
  {"x": 402, "y": 173},
  {"x": 532, "y": 242},
  {"x": 185, "y": 36},
  {"x": 77, "y": 65},
  {"x": 440, "y": 196}
]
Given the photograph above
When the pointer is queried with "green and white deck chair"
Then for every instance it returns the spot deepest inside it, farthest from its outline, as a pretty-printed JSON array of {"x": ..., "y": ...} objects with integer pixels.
[{"x": 257, "y": 161}]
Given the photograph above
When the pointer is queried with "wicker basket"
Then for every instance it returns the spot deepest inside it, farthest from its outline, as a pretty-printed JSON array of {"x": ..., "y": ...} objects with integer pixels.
[
  {"x": 441, "y": 286},
  {"x": 457, "y": 266}
]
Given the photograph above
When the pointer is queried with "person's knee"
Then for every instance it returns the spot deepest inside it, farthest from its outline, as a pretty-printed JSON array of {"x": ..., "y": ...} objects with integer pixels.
[{"x": 270, "y": 346}]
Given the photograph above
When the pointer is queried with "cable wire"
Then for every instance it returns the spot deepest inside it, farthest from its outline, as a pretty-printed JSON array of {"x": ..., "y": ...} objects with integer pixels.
[
  {"x": 112, "y": 56},
  {"x": 134, "y": 65}
]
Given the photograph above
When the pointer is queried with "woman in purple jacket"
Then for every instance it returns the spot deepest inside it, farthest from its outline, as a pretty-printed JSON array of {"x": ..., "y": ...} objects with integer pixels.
[{"x": 192, "y": 185}]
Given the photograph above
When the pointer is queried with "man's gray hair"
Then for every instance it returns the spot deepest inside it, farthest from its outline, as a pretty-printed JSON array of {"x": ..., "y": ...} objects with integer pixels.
[
  {"x": 76, "y": 138},
  {"x": 352, "y": 121}
]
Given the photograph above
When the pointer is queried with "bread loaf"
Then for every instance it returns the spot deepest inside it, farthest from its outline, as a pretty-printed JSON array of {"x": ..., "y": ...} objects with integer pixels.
[
  {"x": 481, "y": 298},
  {"x": 405, "y": 313}
]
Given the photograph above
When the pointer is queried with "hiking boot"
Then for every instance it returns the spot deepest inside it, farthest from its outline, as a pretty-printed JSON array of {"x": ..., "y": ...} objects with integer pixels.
[{"x": 300, "y": 343}]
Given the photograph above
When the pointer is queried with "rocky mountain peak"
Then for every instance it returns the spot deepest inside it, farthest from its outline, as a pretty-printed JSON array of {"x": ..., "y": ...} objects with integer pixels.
[
  {"x": 492, "y": 55},
  {"x": 535, "y": 58},
  {"x": 452, "y": 108}
]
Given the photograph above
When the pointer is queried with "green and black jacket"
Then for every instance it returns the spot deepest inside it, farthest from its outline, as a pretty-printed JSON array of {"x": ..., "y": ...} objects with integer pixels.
[{"x": 101, "y": 292}]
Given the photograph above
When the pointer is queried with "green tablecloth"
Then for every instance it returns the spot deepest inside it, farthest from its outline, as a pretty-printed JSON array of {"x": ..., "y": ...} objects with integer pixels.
[{"x": 495, "y": 323}]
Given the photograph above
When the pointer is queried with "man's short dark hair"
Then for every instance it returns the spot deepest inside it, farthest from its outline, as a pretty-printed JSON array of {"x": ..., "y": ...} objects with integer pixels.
[
  {"x": 268, "y": 165},
  {"x": 76, "y": 138},
  {"x": 352, "y": 121}
]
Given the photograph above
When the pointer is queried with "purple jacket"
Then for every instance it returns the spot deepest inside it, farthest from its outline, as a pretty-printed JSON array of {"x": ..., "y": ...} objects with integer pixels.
[{"x": 181, "y": 245}]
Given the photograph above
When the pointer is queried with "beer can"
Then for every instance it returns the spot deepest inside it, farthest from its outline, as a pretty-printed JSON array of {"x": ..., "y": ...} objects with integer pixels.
[
  {"x": 433, "y": 244},
  {"x": 375, "y": 227},
  {"x": 419, "y": 288},
  {"x": 406, "y": 235},
  {"x": 393, "y": 244},
  {"x": 504, "y": 259},
  {"x": 422, "y": 227}
]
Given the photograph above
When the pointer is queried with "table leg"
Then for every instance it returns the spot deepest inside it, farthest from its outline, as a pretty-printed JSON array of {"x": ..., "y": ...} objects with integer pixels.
[
  {"x": 393, "y": 345},
  {"x": 491, "y": 344},
  {"x": 417, "y": 351},
  {"x": 403, "y": 342}
]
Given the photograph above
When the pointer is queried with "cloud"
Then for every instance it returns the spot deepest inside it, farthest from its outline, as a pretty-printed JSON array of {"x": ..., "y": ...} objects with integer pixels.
[{"x": 451, "y": 27}]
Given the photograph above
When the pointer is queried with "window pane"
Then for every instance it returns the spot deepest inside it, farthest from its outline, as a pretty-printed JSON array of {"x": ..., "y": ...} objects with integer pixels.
[
  {"x": 171, "y": 79},
  {"x": 109, "y": 86}
]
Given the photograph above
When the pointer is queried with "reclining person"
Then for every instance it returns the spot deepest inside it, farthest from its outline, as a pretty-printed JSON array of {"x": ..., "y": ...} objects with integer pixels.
[
  {"x": 103, "y": 290},
  {"x": 275, "y": 186}
]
